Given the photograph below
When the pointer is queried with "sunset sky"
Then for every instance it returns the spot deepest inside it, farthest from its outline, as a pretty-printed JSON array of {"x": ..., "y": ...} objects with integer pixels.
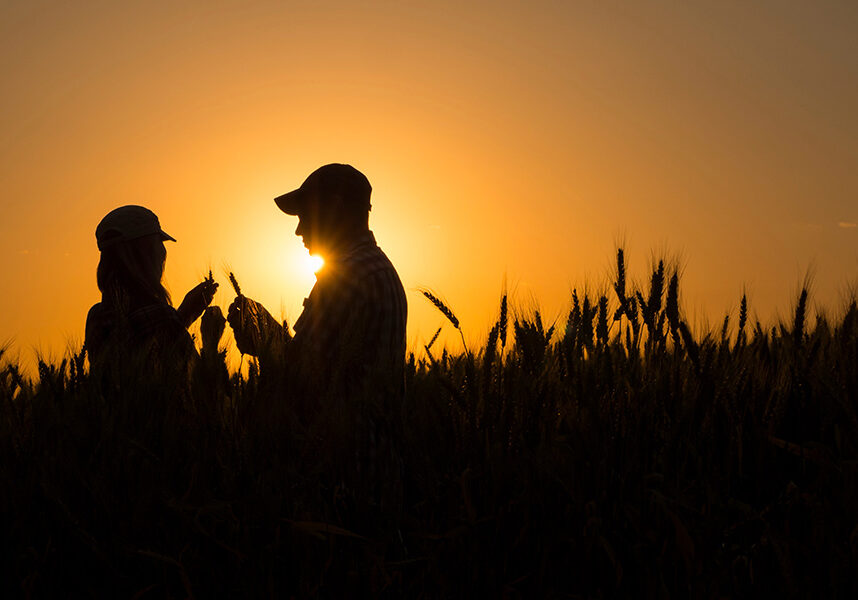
[{"x": 502, "y": 139}]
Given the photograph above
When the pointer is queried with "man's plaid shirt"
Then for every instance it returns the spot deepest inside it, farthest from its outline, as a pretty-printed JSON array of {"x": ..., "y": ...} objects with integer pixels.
[
  {"x": 350, "y": 343},
  {"x": 354, "y": 318}
]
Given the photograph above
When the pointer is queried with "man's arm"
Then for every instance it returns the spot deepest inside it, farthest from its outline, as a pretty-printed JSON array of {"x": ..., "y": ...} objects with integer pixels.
[{"x": 256, "y": 331}]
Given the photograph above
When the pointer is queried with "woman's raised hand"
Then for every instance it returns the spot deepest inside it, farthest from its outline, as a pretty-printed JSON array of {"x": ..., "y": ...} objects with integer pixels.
[{"x": 196, "y": 301}]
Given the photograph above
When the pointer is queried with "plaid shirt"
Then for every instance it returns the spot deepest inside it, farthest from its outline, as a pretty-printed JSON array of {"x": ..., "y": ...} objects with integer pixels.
[
  {"x": 153, "y": 327},
  {"x": 350, "y": 343},
  {"x": 354, "y": 318}
]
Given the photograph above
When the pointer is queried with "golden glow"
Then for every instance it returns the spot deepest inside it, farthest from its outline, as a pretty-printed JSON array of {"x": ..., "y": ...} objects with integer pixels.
[
  {"x": 315, "y": 263},
  {"x": 514, "y": 141}
]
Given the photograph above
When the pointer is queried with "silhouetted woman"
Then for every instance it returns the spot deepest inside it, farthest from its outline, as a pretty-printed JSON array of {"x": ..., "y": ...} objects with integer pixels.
[{"x": 135, "y": 320}]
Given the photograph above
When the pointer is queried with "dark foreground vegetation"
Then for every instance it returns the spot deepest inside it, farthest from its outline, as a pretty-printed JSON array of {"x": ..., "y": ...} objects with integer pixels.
[{"x": 616, "y": 454}]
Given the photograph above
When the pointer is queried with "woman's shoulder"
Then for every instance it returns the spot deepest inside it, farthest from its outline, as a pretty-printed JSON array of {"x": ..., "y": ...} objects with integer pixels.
[
  {"x": 98, "y": 313},
  {"x": 99, "y": 323}
]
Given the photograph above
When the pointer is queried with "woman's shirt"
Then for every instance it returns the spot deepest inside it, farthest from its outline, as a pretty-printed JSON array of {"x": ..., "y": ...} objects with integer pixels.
[{"x": 153, "y": 328}]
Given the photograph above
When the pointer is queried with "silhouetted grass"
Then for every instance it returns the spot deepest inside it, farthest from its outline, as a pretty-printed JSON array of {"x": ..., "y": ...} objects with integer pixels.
[{"x": 617, "y": 453}]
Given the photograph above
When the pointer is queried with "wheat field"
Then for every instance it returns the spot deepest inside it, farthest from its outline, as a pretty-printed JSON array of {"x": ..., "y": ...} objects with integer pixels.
[{"x": 614, "y": 453}]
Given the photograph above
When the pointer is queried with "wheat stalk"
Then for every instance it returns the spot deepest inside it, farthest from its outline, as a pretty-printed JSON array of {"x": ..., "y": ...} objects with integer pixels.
[
  {"x": 432, "y": 340},
  {"x": 443, "y": 308},
  {"x": 503, "y": 321},
  {"x": 743, "y": 312},
  {"x": 602, "y": 322},
  {"x": 447, "y": 312},
  {"x": 800, "y": 313},
  {"x": 671, "y": 305},
  {"x": 234, "y": 283}
]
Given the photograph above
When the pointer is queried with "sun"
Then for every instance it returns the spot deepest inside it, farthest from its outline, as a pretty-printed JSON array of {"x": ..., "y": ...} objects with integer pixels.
[{"x": 315, "y": 262}]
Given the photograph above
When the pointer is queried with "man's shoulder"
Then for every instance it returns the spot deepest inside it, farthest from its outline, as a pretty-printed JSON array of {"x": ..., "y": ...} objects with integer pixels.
[
  {"x": 364, "y": 274},
  {"x": 367, "y": 259}
]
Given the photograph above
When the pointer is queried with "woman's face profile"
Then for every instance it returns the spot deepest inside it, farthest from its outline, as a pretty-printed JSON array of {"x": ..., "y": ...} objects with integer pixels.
[
  {"x": 161, "y": 249},
  {"x": 155, "y": 245}
]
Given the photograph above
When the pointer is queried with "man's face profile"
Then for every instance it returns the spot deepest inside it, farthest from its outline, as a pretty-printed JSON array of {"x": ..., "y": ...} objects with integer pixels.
[
  {"x": 307, "y": 228},
  {"x": 321, "y": 229},
  {"x": 302, "y": 231}
]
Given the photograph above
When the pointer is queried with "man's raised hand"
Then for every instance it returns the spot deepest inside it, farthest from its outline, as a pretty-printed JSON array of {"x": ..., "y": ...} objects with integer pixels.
[{"x": 253, "y": 326}]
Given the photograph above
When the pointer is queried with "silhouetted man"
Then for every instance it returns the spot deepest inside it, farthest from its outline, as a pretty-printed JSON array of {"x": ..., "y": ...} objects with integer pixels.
[
  {"x": 344, "y": 368},
  {"x": 351, "y": 333}
]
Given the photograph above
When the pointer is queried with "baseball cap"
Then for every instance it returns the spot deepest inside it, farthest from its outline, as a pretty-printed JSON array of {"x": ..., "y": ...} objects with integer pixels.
[
  {"x": 334, "y": 179},
  {"x": 128, "y": 223}
]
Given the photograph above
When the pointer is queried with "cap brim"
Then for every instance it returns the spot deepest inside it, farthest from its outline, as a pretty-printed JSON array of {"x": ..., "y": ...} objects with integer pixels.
[
  {"x": 291, "y": 203},
  {"x": 166, "y": 237}
]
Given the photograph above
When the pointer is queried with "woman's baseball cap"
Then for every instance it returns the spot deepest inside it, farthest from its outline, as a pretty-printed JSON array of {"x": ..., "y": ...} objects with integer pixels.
[{"x": 128, "y": 223}]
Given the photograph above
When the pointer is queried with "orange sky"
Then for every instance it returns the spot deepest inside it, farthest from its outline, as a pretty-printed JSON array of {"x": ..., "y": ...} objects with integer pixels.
[{"x": 517, "y": 138}]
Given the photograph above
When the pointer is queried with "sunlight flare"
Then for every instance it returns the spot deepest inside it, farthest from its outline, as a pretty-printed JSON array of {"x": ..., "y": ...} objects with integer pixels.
[{"x": 315, "y": 262}]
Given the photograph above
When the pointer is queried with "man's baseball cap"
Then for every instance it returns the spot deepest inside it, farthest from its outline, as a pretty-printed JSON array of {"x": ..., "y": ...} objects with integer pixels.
[
  {"x": 335, "y": 179},
  {"x": 128, "y": 223}
]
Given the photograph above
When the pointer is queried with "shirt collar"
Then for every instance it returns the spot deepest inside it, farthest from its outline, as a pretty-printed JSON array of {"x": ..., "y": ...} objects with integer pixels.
[{"x": 366, "y": 238}]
